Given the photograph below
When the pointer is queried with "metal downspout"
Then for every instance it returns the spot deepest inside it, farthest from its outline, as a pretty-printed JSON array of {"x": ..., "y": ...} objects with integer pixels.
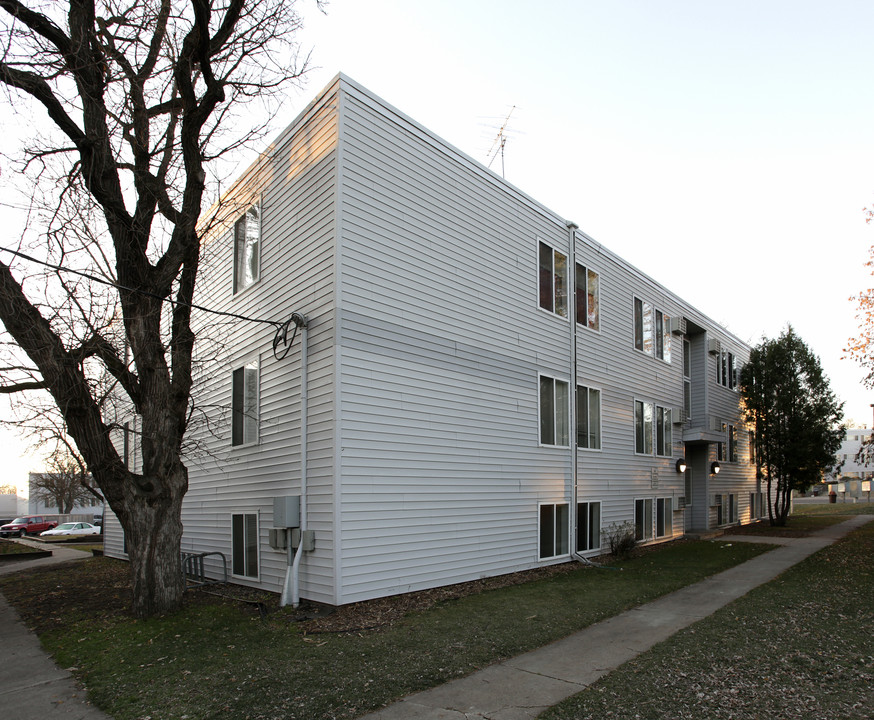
[
  {"x": 572, "y": 315},
  {"x": 291, "y": 589},
  {"x": 304, "y": 402}
]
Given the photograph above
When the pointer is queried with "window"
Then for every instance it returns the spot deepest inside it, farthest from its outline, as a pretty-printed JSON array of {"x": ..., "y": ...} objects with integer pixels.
[
  {"x": 588, "y": 526},
  {"x": 588, "y": 304},
  {"x": 643, "y": 519},
  {"x": 554, "y": 411},
  {"x": 247, "y": 238},
  {"x": 638, "y": 324},
  {"x": 664, "y": 517},
  {"x": 244, "y": 545},
  {"x": 757, "y": 505},
  {"x": 588, "y": 418},
  {"x": 244, "y": 405},
  {"x": 663, "y": 431},
  {"x": 651, "y": 330},
  {"x": 553, "y": 280},
  {"x": 726, "y": 508},
  {"x": 732, "y": 443},
  {"x": 751, "y": 446},
  {"x": 727, "y": 370},
  {"x": 553, "y": 530},
  {"x": 652, "y": 429},
  {"x": 687, "y": 378},
  {"x": 125, "y": 451},
  {"x": 643, "y": 416}
]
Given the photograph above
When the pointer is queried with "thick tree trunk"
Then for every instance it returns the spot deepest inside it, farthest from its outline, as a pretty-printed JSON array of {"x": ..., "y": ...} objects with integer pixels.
[{"x": 153, "y": 532}]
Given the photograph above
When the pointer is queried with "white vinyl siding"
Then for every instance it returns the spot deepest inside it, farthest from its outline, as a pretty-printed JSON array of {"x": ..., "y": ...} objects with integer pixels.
[{"x": 425, "y": 461}]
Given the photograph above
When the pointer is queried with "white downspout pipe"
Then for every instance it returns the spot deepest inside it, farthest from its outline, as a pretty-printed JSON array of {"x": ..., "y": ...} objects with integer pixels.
[
  {"x": 291, "y": 590},
  {"x": 572, "y": 315}
]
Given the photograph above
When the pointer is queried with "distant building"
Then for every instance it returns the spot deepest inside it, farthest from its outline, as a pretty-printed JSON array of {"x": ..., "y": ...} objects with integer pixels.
[
  {"x": 848, "y": 481},
  {"x": 8, "y": 506},
  {"x": 37, "y": 505},
  {"x": 852, "y": 468}
]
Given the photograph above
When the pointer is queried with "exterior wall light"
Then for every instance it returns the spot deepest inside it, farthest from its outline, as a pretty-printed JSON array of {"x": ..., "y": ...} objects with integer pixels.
[
  {"x": 681, "y": 465},
  {"x": 714, "y": 468}
]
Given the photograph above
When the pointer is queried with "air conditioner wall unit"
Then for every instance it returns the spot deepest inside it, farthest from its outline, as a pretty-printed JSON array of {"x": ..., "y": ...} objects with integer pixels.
[
  {"x": 714, "y": 347},
  {"x": 677, "y": 325}
]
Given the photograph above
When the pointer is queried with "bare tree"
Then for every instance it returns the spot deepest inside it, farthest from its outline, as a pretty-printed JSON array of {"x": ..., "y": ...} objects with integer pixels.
[
  {"x": 141, "y": 97},
  {"x": 65, "y": 484}
]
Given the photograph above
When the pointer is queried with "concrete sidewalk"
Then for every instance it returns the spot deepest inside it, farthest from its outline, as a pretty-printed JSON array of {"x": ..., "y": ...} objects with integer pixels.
[
  {"x": 32, "y": 687},
  {"x": 524, "y": 686}
]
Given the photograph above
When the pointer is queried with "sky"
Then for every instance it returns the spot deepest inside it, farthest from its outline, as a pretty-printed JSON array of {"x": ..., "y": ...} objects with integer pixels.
[{"x": 725, "y": 149}]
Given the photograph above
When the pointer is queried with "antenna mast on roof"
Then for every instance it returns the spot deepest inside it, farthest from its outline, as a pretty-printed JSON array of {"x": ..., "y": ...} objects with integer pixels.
[{"x": 500, "y": 141}]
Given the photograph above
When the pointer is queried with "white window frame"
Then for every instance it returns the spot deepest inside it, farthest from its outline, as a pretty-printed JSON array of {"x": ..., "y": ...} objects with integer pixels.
[
  {"x": 558, "y": 282},
  {"x": 560, "y": 434},
  {"x": 590, "y": 319},
  {"x": 664, "y": 443},
  {"x": 250, "y": 427},
  {"x": 589, "y": 519},
  {"x": 592, "y": 440},
  {"x": 243, "y": 564},
  {"x": 645, "y": 437},
  {"x": 247, "y": 249},
  {"x": 558, "y": 542},
  {"x": 644, "y": 527},
  {"x": 650, "y": 330}
]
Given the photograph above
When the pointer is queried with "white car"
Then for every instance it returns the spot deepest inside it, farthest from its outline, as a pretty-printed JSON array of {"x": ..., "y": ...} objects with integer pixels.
[{"x": 72, "y": 528}]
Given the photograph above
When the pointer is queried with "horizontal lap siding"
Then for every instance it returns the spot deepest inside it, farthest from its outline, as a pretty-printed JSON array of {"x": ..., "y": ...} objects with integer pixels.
[
  {"x": 608, "y": 361},
  {"x": 296, "y": 183},
  {"x": 442, "y": 342}
]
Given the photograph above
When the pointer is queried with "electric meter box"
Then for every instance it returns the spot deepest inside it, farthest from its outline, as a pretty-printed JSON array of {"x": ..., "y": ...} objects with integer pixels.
[{"x": 286, "y": 511}]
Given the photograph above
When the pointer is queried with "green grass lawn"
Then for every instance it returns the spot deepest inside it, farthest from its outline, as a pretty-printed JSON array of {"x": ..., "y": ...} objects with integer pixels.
[
  {"x": 215, "y": 660},
  {"x": 796, "y": 648},
  {"x": 10, "y": 547}
]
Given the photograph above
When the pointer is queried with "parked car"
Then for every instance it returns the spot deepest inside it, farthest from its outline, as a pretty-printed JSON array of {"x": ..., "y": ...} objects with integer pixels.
[
  {"x": 27, "y": 525},
  {"x": 72, "y": 528}
]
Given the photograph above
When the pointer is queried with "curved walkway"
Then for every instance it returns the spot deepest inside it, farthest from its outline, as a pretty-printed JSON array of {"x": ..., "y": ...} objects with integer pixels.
[
  {"x": 32, "y": 687},
  {"x": 523, "y": 687}
]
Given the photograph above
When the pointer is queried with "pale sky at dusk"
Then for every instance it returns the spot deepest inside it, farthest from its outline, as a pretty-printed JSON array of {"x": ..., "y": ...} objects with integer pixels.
[{"x": 724, "y": 149}]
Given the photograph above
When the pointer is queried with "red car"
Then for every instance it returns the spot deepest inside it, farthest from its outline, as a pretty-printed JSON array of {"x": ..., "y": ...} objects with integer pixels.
[{"x": 27, "y": 525}]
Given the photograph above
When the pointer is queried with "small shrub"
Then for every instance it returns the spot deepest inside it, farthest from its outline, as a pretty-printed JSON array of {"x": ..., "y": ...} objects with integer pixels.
[{"x": 621, "y": 539}]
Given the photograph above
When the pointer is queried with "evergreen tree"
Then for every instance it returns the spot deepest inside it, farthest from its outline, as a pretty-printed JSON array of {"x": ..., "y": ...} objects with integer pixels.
[{"x": 796, "y": 416}]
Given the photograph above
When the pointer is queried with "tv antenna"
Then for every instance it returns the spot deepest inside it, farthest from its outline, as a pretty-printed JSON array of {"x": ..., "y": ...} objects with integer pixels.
[{"x": 501, "y": 140}]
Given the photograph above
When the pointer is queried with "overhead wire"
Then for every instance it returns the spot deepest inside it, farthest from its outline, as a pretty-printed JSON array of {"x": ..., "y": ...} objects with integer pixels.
[
  {"x": 118, "y": 286},
  {"x": 280, "y": 338}
]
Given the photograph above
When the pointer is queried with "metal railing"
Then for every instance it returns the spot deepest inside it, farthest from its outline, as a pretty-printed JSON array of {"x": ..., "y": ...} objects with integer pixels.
[{"x": 194, "y": 572}]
